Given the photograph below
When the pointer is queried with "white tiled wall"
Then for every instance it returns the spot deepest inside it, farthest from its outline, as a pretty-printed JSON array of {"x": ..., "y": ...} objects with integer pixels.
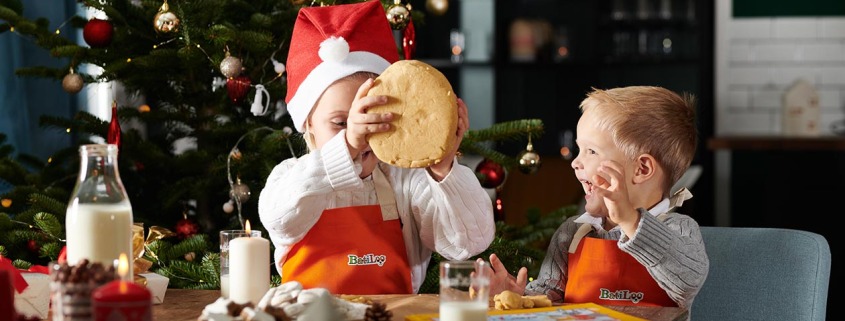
[{"x": 757, "y": 59}]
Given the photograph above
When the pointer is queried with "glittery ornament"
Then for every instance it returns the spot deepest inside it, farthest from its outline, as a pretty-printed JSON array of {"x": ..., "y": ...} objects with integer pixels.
[
  {"x": 493, "y": 173},
  {"x": 529, "y": 160},
  {"x": 72, "y": 83},
  {"x": 437, "y": 7},
  {"x": 186, "y": 227},
  {"x": 165, "y": 21},
  {"x": 240, "y": 192},
  {"x": 98, "y": 33},
  {"x": 398, "y": 15},
  {"x": 237, "y": 88},
  {"x": 231, "y": 66}
]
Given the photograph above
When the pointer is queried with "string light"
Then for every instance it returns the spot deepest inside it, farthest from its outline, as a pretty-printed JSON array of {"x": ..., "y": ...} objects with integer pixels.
[
  {"x": 128, "y": 59},
  {"x": 58, "y": 31},
  {"x": 235, "y": 151},
  {"x": 167, "y": 42},
  {"x": 67, "y": 130}
]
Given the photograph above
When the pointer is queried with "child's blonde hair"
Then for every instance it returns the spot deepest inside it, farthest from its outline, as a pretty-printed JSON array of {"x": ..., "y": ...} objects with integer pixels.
[
  {"x": 306, "y": 133},
  {"x": 652, "y": 120}
]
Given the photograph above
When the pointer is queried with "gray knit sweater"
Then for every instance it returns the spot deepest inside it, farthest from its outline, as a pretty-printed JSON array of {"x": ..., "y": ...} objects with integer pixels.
[{"x": 671, "y": 250}]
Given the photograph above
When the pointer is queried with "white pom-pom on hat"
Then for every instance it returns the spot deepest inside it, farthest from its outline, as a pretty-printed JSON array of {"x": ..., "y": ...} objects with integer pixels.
[{"x": 333, "y": 49}]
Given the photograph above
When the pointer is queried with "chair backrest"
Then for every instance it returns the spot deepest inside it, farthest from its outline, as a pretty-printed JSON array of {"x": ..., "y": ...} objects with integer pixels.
[{"x": 763, "y": 274}]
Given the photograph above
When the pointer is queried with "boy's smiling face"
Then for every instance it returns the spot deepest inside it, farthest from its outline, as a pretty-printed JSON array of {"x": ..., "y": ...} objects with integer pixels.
[{"x": 595, "y": 145}]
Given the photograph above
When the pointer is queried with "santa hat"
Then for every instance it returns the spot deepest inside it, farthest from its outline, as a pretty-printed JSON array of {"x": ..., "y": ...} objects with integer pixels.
[{"x": 329, "y": 43}]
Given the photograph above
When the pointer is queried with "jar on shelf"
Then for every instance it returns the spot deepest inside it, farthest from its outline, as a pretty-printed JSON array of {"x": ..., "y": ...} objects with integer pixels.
[{"x": 99, "y": 214}]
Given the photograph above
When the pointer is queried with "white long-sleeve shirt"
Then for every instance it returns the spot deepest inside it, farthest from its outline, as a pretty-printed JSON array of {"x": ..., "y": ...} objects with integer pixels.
[{"x": 453, "y": 217}]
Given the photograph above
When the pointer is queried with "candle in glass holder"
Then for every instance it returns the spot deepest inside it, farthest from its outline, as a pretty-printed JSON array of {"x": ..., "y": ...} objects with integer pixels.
[
  {"x": 122, "y": 300},
  {"x": 249, "y": 268}
]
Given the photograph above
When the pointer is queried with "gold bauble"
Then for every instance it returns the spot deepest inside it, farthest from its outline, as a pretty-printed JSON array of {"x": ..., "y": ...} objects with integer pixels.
[
  {"x": 529, "y": 161},
  {"x": 398, "y": 16},
  {"x": 165, "y": 21},
  {"x": 437, "y": 7}
]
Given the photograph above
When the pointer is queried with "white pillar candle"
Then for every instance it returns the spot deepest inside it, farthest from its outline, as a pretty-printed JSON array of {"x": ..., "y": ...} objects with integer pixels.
[{"x": 249, "y": 268}]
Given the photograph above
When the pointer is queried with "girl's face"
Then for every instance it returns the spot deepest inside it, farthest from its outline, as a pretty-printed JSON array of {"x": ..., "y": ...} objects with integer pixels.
[
  {"x": 330, "y": 113},
  {"x": 595, "y": 145}
]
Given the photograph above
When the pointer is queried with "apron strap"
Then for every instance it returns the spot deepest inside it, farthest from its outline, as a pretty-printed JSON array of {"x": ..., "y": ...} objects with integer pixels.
[
  {"x": 386, "y": 196},
  {"x": 677, "y": 199},
  {"x": 583, "y": 230}
]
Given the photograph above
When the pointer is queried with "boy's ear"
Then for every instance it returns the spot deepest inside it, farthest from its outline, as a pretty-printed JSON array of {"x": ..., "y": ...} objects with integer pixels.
[{"x": 646, "y": 168}]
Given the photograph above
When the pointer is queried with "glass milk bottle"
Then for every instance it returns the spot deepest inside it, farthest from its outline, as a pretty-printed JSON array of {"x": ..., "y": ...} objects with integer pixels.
[{"x": 99, "y": 216}]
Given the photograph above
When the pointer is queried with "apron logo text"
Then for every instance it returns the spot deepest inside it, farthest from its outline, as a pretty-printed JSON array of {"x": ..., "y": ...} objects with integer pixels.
[
  {"x": 366, "y": 259},
  {"x": 620, "y": 295}
]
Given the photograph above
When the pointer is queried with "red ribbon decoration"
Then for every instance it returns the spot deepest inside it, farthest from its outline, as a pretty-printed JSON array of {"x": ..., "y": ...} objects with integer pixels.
[
  {"x": 409, "y": 40},
  {"x": 17, "y": 277}
]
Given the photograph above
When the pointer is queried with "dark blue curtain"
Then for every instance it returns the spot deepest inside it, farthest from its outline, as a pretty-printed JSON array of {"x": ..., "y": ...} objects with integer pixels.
[{"x": 23, "y": 100}]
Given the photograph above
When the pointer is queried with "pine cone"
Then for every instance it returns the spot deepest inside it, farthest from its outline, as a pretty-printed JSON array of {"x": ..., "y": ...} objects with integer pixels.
[{"x": 378, "y": 312}]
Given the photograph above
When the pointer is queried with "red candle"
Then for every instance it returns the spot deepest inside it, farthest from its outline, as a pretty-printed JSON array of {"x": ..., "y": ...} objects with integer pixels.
[{"x": 122, "y": 299}]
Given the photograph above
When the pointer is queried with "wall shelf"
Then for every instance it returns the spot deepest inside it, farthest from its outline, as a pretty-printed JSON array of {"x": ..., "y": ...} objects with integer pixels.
[{"x": 774, "y": 143}]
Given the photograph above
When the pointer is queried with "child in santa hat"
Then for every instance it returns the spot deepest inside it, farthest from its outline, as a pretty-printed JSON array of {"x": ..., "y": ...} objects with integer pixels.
[{"x": 339, "y": 218}]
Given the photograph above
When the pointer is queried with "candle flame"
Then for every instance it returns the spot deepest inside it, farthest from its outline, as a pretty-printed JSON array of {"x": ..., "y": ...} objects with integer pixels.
[
  {"x": 122, "y": 266},
  {"x": 248, "y": 232}
]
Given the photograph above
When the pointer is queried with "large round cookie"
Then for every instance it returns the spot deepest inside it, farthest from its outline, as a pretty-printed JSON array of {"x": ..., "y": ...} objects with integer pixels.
[{"x": 425, "y": 111}]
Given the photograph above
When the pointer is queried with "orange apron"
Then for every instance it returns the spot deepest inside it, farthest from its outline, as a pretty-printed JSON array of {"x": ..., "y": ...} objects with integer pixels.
[
  {"x": 354, "y": 250},
  {"x": 599, "y": 272}
]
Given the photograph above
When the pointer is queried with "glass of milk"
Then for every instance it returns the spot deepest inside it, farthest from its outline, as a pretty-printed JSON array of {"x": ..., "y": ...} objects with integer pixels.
[
  {"x": 464, "y": 290},
  {"x": 225, "y": 237}
]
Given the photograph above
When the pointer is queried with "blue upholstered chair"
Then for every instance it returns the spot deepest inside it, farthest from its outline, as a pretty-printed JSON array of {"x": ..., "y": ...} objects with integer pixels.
[{"x": 763, "y": 274}]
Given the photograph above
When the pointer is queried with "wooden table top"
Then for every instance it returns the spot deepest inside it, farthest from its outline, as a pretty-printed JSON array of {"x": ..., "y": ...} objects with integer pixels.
[{"x": 186, "y": 305}]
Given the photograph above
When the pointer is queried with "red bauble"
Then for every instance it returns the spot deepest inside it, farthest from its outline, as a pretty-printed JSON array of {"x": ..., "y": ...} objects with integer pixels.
[
  {"x": 33, "y": 246},
  {"x": 237, "y": 87},
  {"x": 493, "y": 173},
  {"x": 186, "y": 228},
  {"x": 98, "y": 33}
]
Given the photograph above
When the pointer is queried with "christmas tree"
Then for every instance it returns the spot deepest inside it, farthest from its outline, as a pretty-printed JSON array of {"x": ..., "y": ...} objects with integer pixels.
[{"x": 209, "y": 73}]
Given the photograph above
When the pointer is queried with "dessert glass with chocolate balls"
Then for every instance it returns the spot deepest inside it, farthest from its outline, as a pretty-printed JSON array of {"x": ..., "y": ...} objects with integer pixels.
[{"x": 71, "y": 287}]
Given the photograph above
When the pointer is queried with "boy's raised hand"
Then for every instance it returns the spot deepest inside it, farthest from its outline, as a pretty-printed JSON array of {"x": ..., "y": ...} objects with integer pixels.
[
  {"x": 501, "y": 280},
  {"x": 610, "y": 183},
  {"x": 441, "y": 169},
  {"x": 359, "y": 124}
]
